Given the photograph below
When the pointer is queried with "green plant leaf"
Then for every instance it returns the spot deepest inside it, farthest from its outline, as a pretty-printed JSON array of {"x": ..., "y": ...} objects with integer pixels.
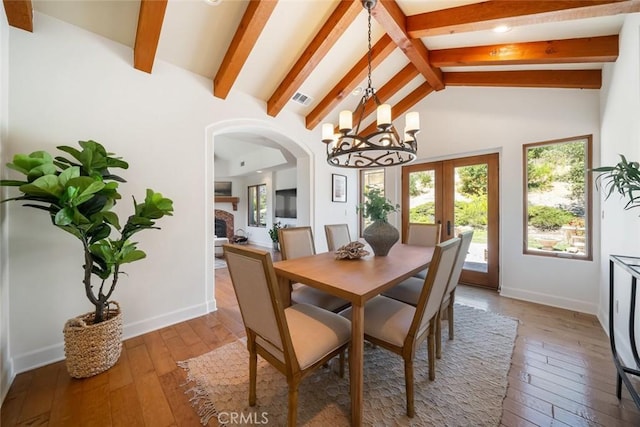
[
  {"x": 132, "y": 256},
  {"x": 47, "y": 186}
]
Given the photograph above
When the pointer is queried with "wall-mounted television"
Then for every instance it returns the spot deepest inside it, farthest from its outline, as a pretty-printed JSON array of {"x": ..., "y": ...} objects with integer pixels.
[{"x": 286, "y": 203}]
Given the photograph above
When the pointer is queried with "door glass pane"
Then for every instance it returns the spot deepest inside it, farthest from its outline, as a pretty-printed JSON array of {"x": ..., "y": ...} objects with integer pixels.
[
  {"x": 471, "y": 212},
  {"x": 371, "y": 178},
  {"x": 422, "y": 197}
]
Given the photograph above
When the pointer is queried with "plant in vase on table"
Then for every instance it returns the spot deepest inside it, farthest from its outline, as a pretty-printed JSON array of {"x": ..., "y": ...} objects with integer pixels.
[
  {"x": 79, "y": 195},
  {"x": 380, "y": 235}
]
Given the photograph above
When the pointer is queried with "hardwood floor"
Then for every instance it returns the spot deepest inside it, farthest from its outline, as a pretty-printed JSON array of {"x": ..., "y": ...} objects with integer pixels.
[{"x": 562, "y": 373}]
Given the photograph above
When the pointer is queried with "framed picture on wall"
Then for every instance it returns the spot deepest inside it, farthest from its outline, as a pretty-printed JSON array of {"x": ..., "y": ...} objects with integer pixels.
[
  {"x": 338, "y": 188},
  {"x": 222, "y": 188}
]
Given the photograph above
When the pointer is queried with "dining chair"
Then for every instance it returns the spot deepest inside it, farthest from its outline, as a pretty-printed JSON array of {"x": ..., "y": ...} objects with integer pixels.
[
  {"x": 401, "y": 328},
  {"x": 296, "y": 242},
  {"x": 423, "y": 235},
  {"x": 409, "y": 290},
  {"x": 296, "y": 339},
  {"x": 337, "y": 235}
]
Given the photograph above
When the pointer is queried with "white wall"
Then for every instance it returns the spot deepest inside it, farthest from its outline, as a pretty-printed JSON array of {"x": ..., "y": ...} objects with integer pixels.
[
  {"x": 467, "y": 121},
  {"x": 620, "y": 109},
  {"x": 66, "y": 85},
  {"x": 5, "y": 363}
]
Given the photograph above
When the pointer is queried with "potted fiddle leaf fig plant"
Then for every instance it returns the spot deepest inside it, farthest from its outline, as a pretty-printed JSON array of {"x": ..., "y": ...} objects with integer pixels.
[
  {"x": 623, "y": 177},
  {"x": 380, "y": 235},
  {"x": 79, "y": 193}
]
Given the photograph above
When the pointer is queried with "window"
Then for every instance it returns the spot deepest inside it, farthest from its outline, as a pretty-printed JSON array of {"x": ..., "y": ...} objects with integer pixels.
[
  {"x": 369, "y": 178},
  {"x": 557, "y": 201},
  {"x": 257, "y": 205}
]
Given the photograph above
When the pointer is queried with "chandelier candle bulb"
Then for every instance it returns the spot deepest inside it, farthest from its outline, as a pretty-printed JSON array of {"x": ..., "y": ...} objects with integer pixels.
[
  {"x": 384, "y": 115},
  {"x": 412, "y": 122},
  {"x": 346, "y": 121},
  {"x": 327, "y": 132}
]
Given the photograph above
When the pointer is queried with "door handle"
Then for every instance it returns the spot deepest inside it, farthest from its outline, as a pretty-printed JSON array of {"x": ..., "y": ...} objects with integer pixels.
[{"x": 448, "y": 228}]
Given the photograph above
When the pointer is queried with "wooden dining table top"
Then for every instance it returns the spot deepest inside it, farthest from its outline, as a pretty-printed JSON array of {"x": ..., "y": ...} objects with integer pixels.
[{"x": 356, "y": 280}]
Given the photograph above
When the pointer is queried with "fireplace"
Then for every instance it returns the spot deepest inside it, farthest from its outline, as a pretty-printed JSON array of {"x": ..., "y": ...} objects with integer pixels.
[
  {"x": 223, "y": 223},
  {"x": 221, "y": 228}
]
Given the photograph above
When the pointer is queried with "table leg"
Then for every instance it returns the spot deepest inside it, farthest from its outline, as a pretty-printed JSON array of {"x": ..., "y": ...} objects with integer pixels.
[
  {"x": 285, "y": 291},
  {"x": 356, "y": 362}
]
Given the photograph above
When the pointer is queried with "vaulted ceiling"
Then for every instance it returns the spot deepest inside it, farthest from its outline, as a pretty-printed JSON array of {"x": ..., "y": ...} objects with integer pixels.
[{"x": 317, "y": 49}]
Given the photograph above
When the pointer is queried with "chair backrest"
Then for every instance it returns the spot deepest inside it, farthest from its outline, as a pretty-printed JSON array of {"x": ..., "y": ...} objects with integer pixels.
[
  {"x": 337, "y": 235},
  {"x": 465, "y": 242},
  {"x": 296, "y": 242},
  {"x": 423, "y": 234},
  {"x": 256, "y": 287},
  {"x": 435, "y": 285}
]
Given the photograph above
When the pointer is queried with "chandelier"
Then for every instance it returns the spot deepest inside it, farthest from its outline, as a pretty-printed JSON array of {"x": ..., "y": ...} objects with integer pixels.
[{"x": 383, "y": 147}]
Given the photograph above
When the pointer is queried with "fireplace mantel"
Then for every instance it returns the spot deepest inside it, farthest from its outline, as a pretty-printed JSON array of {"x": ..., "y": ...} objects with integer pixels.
[{"x": 228, "y": 199}]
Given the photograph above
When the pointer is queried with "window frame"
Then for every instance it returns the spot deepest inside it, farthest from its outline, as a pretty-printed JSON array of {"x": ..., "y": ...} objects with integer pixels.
[
  {"x": 257, "y": 208},
  {"x": 588, "y": 207},
  {"x": 363, "y": 172}
]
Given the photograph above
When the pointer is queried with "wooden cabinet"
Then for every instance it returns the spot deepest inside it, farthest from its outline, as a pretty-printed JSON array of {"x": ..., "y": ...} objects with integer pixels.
[{"x": 632, "y": 266}]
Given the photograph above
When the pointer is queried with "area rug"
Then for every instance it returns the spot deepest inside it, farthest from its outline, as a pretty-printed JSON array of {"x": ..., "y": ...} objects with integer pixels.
[{"x": 470, "y": 384}]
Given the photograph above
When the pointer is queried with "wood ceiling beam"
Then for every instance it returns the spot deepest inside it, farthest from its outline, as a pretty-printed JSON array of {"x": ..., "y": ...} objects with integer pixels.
[
  {"x": 328, "y": 35},
  {"x": 250, "y": 28},
  {"x": 488, "y": 14},
  {"x": 390, "y": 16},
  {"x": 591, "y": 49},
  {"x": 150, "y": 20},
  {"x": 565, "y": 79},
  {"x": 348, "y": 83},
  {"x": 404, "y": 105},
  {"x": 19, "y": 14}
]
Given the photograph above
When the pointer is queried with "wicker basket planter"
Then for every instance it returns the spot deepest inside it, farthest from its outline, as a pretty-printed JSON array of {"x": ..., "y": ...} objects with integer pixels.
[{"x": 93, "y": 348}]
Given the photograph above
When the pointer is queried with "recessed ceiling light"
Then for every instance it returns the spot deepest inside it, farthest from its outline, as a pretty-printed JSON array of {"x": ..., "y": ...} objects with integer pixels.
[
  {"x": 501, "y": 29},
  {"x": 213, "y": 2},
  {"x": 357, "y": 91},
  {"x": 258, "y": 171}
]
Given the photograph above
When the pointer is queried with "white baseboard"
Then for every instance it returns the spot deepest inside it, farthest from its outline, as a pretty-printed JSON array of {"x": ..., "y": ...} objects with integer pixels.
[
  {"x": 8, "y": 375},
  {"x": 54, "y": 353},
  {"x": 551, "y": 300}
]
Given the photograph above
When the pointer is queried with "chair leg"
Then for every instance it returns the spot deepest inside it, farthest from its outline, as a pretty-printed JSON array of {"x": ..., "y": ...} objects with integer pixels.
[
  {"x": 450, "y": 314},
  {"x": 438, "y": 337},
  {"x": 408, "y": 382},
  {"x": 292, "y": 414},
  {"x": 253, "y": 368},
  {"x": 431, "y": 351}
]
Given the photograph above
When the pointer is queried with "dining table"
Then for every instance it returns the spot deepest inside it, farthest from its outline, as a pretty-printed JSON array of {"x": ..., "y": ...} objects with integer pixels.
[{"x": 358, "y": 281}]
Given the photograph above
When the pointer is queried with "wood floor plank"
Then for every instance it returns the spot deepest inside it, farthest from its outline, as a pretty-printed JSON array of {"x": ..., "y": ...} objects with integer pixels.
[
  {"x": 41, "y": 392},
  {"x": 155, "y": 407},
  {"x": 172, "y": 385},
  {"x": 125, "y": 406},
  {"x": 159, "y": 353},
  {"x": 120, "y": 374}
]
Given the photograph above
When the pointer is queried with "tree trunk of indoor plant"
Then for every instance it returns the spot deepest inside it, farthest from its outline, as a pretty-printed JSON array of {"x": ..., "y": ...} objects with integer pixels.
[{"x": 381, "y": 236}]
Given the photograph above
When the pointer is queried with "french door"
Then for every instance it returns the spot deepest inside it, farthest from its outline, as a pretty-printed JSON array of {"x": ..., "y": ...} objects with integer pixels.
[{"x": 460, "y": 194}]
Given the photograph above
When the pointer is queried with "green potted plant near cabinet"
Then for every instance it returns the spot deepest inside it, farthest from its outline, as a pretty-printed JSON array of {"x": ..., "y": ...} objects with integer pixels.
[
  {"x": 79, "y": 194},
  {"x": 380, "y": 235},
  {"x": 623, "y": 177}
]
